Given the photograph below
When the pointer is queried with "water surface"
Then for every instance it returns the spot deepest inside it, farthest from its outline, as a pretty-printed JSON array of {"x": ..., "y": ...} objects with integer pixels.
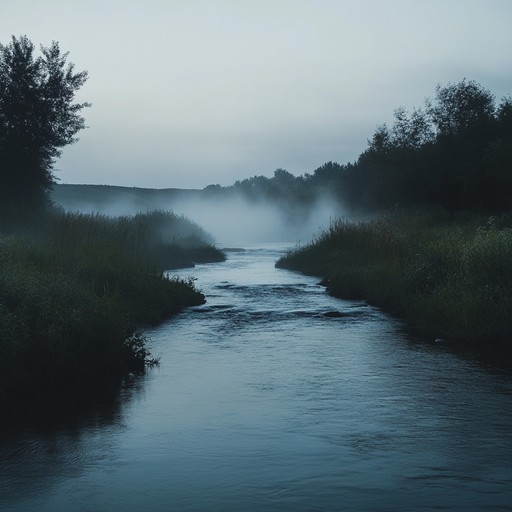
[{"x": 275, "y": 396}]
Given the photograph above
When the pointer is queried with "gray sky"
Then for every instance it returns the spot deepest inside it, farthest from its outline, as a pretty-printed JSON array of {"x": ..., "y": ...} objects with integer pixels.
[{"x": 187, "y": 93}]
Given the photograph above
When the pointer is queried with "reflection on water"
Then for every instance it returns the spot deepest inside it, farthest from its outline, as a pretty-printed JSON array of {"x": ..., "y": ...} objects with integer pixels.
[
  {"x": 50, "y": 441},
  {"x": 274, "y": 396}
]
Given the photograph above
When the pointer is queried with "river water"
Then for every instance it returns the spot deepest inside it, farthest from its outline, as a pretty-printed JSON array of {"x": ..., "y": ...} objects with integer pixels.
[{"x": 274, "y": 396}]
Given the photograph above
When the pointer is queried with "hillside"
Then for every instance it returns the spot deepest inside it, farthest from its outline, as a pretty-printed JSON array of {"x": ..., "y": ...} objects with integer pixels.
[{"x": 115, "y": 200}]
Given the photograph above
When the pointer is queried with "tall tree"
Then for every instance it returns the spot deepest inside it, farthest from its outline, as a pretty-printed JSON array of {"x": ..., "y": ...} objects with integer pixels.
[
  {"x": 460, "y": 107},
  {"x": 38, "y": 117},
  {"x": 464, "y": 118}
]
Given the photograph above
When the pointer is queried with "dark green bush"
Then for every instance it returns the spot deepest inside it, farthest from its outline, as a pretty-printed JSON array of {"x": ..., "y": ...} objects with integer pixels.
[
  {"x": 447, "y": 279},
  {"x": 73, "y": 295}
]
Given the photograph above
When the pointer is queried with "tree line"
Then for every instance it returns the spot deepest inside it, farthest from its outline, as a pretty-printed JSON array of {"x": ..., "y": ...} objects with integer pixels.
[{"x": 454, "y": 152}]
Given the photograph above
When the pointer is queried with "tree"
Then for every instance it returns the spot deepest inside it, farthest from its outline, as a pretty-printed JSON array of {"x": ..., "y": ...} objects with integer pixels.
[
  {"x": 411, "y": 132},
  {"x": 464, "y": 116},
  {"x": 38, "y": 117},
  {"x": 461, "y": 107},
  {"x": 498, "y": 162}
]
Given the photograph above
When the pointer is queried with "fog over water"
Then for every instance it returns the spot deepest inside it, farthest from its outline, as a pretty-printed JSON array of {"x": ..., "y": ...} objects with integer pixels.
[
  {"x": 232, "y": 220},
  {"x": 240, "y": 222}
]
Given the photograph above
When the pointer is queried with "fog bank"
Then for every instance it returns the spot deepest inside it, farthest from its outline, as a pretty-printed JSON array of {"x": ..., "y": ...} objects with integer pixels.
[
  {"x": 237, "y": 221},
  {"x": 232, "y": 219}
]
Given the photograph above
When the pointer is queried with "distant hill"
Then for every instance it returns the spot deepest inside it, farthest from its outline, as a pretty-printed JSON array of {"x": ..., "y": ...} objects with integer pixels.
[{"x": 114, "y": 200}]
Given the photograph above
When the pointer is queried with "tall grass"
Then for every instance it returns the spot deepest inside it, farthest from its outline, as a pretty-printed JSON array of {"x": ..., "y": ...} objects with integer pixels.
[
  {"x": 163, "y": 238},
  {"x": 75, "y": 291},
  {"x": 449, "y": 280}
]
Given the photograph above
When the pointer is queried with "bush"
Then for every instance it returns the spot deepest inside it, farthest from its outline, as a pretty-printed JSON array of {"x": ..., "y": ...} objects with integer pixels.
[
  {"x": 72, "y": 297},
  {"x": 447, "y": 279}
]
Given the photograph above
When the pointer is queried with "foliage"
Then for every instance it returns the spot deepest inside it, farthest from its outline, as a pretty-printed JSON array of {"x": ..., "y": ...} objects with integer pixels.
[
  {"x": 455, "y": 152},
  {"x": 73, "y": 295},
  {"x": 38, "y": 116},
  {"x": 449, "y": 280},
  {"x": 159, "y": 238}
]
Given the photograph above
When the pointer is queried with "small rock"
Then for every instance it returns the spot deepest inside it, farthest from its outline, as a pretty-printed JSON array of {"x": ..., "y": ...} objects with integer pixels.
[{"x": 334, "y": 314}]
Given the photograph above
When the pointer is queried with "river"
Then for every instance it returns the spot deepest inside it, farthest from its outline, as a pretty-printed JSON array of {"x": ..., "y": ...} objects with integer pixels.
[{"x": 274, "y": 396}]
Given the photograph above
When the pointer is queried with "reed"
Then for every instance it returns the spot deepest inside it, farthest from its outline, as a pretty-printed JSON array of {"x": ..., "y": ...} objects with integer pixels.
[
  {"x": 75, "y": 291},
  {"x": 450, "y": 280}
]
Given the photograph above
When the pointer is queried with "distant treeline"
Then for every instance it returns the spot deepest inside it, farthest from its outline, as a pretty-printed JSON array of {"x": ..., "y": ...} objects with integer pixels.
[{"x": 455, "y": 152}]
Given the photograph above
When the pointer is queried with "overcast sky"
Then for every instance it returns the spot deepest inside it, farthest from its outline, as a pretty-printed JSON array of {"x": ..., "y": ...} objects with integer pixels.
[{"x": 187, "y": 93}]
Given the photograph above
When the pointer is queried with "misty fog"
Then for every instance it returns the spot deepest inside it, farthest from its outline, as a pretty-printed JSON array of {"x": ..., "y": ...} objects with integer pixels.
[
  {"x": 232, "y": 221},
  {"x": 239, "y": 222}
]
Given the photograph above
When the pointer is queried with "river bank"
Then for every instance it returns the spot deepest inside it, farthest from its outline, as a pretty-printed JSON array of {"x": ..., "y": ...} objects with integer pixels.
[
  {"x": 450, "y": 280},
  {"x": 262, "y": 402},
  {"x": 76, "y": 289}
]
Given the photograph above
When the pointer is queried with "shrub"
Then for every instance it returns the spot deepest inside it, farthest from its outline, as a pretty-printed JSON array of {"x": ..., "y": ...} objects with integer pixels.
[
  {"x": 447, "y": 279},
  {"x": 73, "y": 295}
]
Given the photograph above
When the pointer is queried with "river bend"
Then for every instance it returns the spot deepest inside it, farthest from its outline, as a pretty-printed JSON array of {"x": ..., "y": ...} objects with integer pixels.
[{"x": 274, "y": 396}]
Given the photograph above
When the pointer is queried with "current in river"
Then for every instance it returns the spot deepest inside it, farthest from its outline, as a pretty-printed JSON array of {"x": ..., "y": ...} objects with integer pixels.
[{"x": 274, "y": 396}]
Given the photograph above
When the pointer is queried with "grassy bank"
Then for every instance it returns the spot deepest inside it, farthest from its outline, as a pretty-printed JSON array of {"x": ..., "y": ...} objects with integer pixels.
[
  {"x": 75, "y": 290},
  {"x": 450, "y": 280}
]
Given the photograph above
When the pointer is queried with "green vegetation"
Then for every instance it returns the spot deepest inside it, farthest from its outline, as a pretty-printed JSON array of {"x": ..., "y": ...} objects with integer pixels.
[
  {"x": 448, "y": 274},
  {"x": 75, "y": 289},
  {"x": 454, "y": 153},
  {"x": 450, "y": 280},
  {"x": 38, "y": 117}
]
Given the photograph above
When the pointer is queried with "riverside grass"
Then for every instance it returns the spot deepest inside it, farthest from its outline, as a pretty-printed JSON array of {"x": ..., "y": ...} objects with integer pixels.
[
  {"x": 75, "y": 289},
  {"x": 447, "y": 279}
]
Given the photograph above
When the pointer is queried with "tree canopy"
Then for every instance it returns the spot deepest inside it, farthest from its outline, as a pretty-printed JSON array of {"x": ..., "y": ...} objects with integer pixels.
[
  {"x": 38, "y": 117},
  {"x": 454, "y": 152}
]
